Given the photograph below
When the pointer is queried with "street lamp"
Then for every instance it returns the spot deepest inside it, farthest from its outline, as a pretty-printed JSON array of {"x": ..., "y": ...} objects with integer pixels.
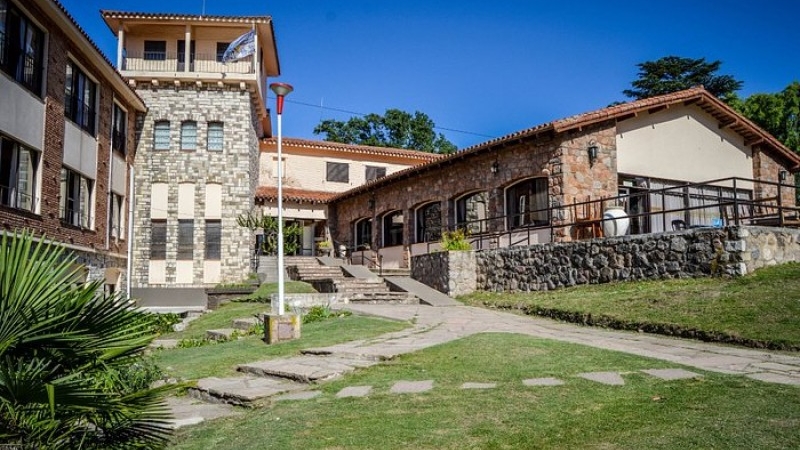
[{"x": 281, "y": 90}]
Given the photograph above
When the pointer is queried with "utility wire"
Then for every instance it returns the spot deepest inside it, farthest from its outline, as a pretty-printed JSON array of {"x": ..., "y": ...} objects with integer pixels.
[{"x": 356, "y": 113}]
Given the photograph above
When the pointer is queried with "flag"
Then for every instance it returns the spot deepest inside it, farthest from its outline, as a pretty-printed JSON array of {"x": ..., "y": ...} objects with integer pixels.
[{"x": 243, "y": 46}]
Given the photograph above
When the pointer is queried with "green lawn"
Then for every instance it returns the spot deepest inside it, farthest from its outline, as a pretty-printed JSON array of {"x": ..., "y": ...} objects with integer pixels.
[
  {"x": 717, "y": 411},
  {"x": 220, "y": 359},
  {"x": 763, "y": 307}
]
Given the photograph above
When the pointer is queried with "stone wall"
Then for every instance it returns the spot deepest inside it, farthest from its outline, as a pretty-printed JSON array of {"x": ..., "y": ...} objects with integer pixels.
[
  {"x": 452, "y": 273},
  {"x": 731, "y": 251},
  {"x": 235, "y": 168}
]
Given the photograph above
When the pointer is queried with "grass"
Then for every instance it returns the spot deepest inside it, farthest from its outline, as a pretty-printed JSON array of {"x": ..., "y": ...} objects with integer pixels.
[
  {"x": 220, "y": 359},
  {"x": 763, "y": 307},
  {"x": 717, "y": 411},
  {"x": 263, "y": 293}
]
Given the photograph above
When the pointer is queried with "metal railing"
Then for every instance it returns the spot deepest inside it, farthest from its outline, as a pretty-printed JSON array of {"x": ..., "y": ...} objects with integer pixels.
[
  {"x": 737, "y": 201},
  {"x": 175, "y": 62}
]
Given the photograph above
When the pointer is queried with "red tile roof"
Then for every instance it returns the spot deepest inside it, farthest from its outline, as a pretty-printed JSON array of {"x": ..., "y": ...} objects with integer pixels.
[
  {"x": 697, "y": 96},
  {"x": 293, "y": 194},
  {"x": 361, "y": 149},
  {"x": 183, "y": 17}
]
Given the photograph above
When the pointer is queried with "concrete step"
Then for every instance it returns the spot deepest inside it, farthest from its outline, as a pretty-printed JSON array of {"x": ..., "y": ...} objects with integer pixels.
[
  {"x": 306, "y": 368},
  {"x": 390, "y": 298},
  {"x": 247, "y": 323},
  {"x": 247, "y": 391},
  {"x": 222, "y": 334}
]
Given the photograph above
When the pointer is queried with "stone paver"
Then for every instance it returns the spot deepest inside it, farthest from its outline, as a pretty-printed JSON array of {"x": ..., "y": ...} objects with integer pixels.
[
  {"x": 354, "y": 391},
  {"x": 189, "y": 411},
  {"x": 609, "y": 378},
  {"x": 411, "y": 387},
  {"x": 542, "y": 382},
  {"x": 243, "y": 391},
  {"x": 302, "y": 395},
  {"x": 307, "y": 368},
  {"x": 671, "y": 374},
  {"x": 470, "y": 385},
  {"x": 776, "y": 378}
]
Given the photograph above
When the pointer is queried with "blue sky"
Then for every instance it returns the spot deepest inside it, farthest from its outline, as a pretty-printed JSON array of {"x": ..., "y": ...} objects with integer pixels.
[{"x": 490, "y": 68}]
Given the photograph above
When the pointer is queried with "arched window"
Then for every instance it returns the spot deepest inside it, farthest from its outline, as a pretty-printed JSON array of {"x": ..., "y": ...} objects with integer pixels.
[
  {"x": 527, "y": 203},
  {"x": 429, "y": 222},
  {"x": 472, "y": 210},
  {"x": 363, "y": 234},
  {"x": 393, "y": 229}
]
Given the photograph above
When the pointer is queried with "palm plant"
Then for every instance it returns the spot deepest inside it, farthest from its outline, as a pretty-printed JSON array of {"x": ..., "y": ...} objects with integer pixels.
[{"x": 64, "y": 351}]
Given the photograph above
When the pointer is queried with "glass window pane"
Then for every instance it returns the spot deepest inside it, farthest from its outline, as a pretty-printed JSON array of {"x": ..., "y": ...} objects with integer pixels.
[
  {"x": 161, "y": 136},
  {"x": 189, "y": 135},
  {"x": 215, "y": 136}
]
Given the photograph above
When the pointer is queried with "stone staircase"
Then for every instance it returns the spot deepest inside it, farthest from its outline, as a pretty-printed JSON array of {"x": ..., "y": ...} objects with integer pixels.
[{"x": 324, "y": 278}]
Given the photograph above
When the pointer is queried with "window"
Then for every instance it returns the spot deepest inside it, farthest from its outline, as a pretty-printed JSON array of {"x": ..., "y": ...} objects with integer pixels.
[
  {"x": 221, "y": 47},
  {"x": 182, "y": 55},
  {"x": 21, "y": 48},
  {"x": 189, "y": 135},
  {"x": 80, "y": 94},
  {"x": 76, "y": 198},
  {"x": 338, "y": 172},
  {"x": 213, "y": 239},
  {"x": 215, "y": 136},
  {"x": 161, "y": 135},
  {"x": 18, "y": 169},
  {"x": 155, "y": 50},
  {"x": 373, "y": 173},
  {"x": 393, "y": 229},
  {"x": 363, "y": 234},
  {"x": 185, "y": 239},
  {"x": 116, "y": 216},
  {"x": 429, "y": 222},
  {"x": 119, "y": 125},
  {"x": 527, "y": 203},
  {"x": 472, "y": 210},
  {"x": 158, "y": 239}
]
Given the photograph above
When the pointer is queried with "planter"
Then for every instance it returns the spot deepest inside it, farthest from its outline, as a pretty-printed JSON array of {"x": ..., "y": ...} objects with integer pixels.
[{"x": 615, "y": 221}]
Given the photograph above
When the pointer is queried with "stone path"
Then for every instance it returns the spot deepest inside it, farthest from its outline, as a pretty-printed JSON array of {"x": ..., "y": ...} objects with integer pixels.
[{"x": 288, "y": 378}]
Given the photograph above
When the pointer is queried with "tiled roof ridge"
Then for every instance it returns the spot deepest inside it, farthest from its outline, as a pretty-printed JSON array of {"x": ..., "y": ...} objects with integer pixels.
[
  {"x": 116, "y": 14},
  {"x": 295, "y": 194},
  {"x": 359, "y": 148}
]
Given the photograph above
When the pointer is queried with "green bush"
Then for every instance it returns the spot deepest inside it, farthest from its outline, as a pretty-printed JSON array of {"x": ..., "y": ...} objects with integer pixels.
[
  {"x": 162, "y": 323},
  {"x": 455, "y": 240},
  {"x": 320, "y": 313}
]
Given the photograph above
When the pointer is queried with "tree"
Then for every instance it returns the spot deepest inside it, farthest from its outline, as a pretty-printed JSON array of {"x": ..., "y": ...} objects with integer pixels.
[
  {"x": 673, "y": 73},
  {"x": 269, "y": 225},
  {"x": 396, "y": 129},
  {"x": 68, "y": 356},
  {"x": 778, "y": 114}
]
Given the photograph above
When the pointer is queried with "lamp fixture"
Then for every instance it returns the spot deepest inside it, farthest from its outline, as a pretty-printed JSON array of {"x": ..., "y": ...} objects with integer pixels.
[
  {"x": 782, "y": 175},
  {"x": 281, "y": 90},
  {"x": 495, "y": 167},
  {"x": 592, "y": 150}
]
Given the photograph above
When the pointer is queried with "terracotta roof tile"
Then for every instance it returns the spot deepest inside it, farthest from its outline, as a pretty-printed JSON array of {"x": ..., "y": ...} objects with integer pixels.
[
  {"x": 363, "y": 149},
  {"x": 293, "y": 194},
  {"x": 176, "y": 16}
]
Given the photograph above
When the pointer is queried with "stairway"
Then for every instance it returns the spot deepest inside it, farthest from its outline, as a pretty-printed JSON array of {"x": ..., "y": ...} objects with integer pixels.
[{"x": 332, "y": 279}]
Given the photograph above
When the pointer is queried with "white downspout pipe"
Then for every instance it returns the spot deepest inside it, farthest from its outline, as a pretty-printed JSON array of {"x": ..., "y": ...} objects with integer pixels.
[{"x": 131, "y": 197}]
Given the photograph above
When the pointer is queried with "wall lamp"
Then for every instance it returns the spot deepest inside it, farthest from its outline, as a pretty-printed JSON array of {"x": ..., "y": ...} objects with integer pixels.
[
  {"x": 782, "y": 174},
  {"x": 495, "y": 167},
  {"x": 592, "y": 150}
]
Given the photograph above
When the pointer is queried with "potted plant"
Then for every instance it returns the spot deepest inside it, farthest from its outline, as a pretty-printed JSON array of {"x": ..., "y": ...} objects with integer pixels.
[{"x": 325, "y": 248}]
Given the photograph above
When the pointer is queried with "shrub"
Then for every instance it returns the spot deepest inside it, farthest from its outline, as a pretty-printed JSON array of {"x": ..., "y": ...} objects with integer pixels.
[
  {"x": 455, "y": 240},
  {"x": 320, "y": 313}
]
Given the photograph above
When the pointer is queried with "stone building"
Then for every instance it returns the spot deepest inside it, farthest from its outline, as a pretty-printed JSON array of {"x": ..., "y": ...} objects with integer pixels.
[
  {"x": 663, "y": 159},
  {"x": 198, "y": 149},
  {"x": 315, "y": 171},
  {"x": 67, "y": 140}
]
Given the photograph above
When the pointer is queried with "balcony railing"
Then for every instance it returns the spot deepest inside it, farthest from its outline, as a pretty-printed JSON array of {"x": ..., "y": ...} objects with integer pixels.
[{"x": 174, "y": 62}]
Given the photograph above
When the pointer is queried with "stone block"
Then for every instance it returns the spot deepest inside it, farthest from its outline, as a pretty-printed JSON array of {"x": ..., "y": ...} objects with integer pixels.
[{"x": 279, "y": 328}]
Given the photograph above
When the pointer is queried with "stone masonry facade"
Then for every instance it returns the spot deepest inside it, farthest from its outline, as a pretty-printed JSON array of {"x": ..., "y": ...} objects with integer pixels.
[
  {"x": 561, "y": 159},
  {"x": 235, "y": 168},
  {"x": 732, "y": 251}
]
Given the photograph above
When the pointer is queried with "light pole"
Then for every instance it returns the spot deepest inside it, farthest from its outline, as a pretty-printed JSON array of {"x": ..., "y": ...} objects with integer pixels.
[{"x": 281, "y": 90}]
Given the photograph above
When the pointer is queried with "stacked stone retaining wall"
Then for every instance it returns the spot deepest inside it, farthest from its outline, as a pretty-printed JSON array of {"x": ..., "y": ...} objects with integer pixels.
[{"x": 731, "y": 251}]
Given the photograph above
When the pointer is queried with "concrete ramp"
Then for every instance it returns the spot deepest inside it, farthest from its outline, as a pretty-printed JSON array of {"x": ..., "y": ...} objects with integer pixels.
[
  {"x": 424, "y": 293},
  {"x": 330, "y": 261},
  {"x": 356, "y": 271}
]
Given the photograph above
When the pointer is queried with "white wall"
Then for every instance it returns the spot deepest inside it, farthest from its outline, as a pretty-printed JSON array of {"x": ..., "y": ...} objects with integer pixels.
[
  {"x": 681, "y": 143},
  {"x": 80, "y": 150},
  {"x": 21, "y": 114}
]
